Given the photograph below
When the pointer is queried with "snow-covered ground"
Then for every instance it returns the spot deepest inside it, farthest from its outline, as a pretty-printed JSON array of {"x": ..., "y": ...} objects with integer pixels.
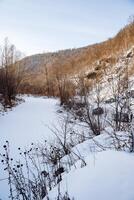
[
  {"x": 29, "y": 121},
  {"x": 108, "y": 175},
  {"x": 26, "y": 123}
]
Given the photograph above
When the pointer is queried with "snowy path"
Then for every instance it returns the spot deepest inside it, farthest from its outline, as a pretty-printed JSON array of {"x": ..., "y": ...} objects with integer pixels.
[{"x": 26, "y": 123}]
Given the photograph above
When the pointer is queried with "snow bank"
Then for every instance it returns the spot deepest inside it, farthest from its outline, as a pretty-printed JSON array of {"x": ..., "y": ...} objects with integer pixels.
[{"x": 107, "y": 176}]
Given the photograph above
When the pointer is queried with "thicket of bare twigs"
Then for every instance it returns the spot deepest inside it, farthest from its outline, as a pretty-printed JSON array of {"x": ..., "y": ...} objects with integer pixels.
[
  {"x": 103, "y": 102},
  {"x": 11, "y": 74}
]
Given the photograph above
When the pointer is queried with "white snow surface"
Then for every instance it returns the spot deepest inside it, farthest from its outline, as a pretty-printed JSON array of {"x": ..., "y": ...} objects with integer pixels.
[
  {"x": 29, "y": 121},
  {"x": 26, "y": 123},
  {"x": 108, "y": 175}
]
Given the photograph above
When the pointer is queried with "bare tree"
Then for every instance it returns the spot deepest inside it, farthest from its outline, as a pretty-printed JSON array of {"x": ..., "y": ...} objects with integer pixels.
[{"x": 11, "y": 72}]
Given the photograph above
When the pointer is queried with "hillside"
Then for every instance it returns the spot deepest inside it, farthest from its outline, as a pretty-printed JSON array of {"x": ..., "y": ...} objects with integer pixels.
[
  {"x": 74, "y": 61},
  {"x": 82, "y": 58}
]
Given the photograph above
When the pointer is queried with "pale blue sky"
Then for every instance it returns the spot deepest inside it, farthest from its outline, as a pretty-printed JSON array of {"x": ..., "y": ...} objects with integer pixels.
[{"x": 36, "y": 26}]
